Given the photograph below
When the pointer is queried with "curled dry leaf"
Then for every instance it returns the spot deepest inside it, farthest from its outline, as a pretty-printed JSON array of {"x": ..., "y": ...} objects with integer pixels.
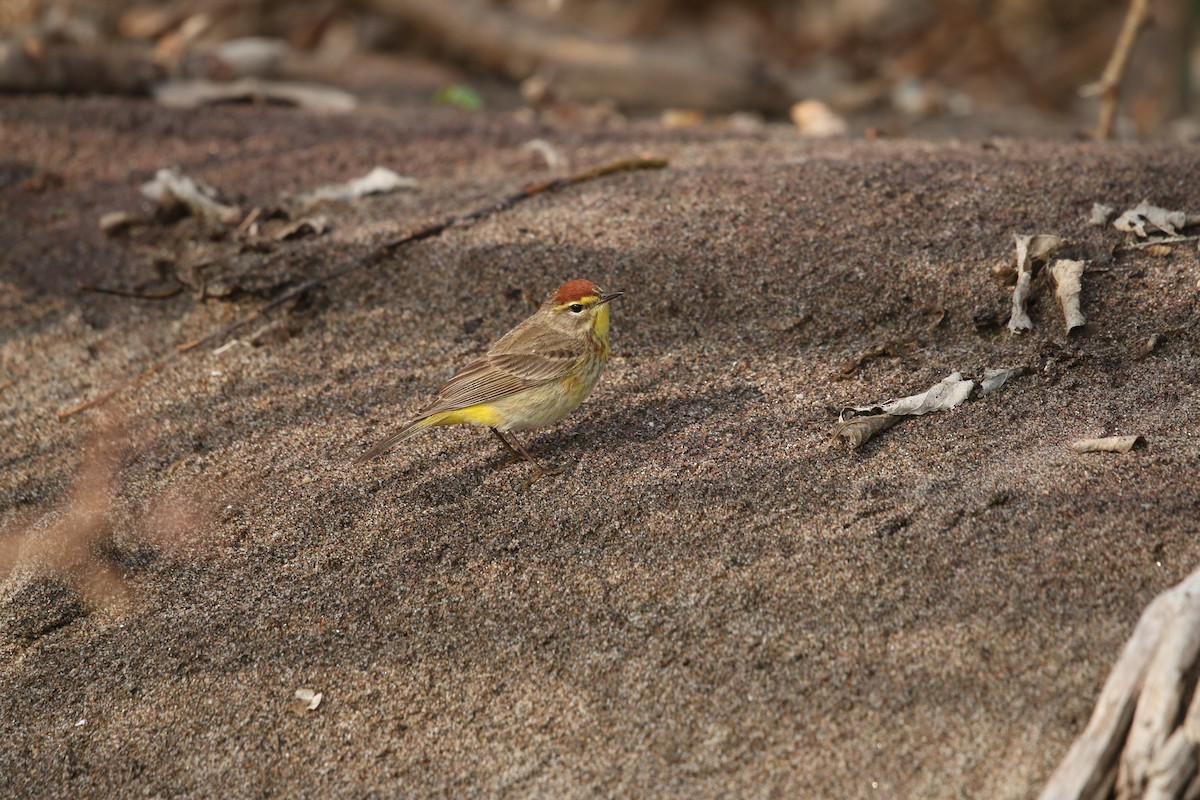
[
  {"x": 552, "y": 157},
  {"x": 993, "y": 379},
  {"x": 1145, "y": 218},
  {"x": 1148, "y": 346},
  {"x": 857, "y": 424},
  {"x": 1107, "y": 444},
  {"x": 172, "y": 189},
  {"x": 380, "y": 180},
  {"x": 1068, "y": 275},
  {"x": 115, "y": 223},
  {"x": 311, "y": 97},
  {"x": 309, "y": 226},
  {"x": 1032, "y": 252},
  {"x": 857, "y": 430},
  {"x": 309, "y": 698},
  {"x": 1101, "y": 214},
  {"x": 815, "y": 119}
]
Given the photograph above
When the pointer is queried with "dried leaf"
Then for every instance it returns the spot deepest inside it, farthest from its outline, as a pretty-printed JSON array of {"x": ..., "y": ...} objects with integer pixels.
[
  {"x": 309, "y": 226},
  {"x": 553, "y": 158},
  {"x": 1068, "y": 276},
  {"x": 1107, "y": 444},
  {"x": 172, "y": 189},
  {"x": 1144, "y": 215},
  {"x": 815, "y": 119},
  {"x": 309, "y": 698},
  {"x": 993, "y": 379},
  {"x": 1101, "y": 214},
  {"x": 115, "y": 223},
  {"x": 311, "y": 97},
  {"x": 951, "y": 391},
  {"x": 857, "y": 424},
  {"x": 858, "y": 430},
  {"x": 380, "y": 180},
  {"x": 1148, "y": 346},
  {"x": 1031, "y": 250}
]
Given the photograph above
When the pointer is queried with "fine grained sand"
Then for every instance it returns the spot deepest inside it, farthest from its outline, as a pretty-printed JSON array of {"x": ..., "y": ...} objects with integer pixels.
[{"x": 708, "y": 602}]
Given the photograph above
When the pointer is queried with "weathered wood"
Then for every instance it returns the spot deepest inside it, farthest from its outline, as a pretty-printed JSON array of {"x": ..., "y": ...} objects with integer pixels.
[{"x": 1160, "y": 642}]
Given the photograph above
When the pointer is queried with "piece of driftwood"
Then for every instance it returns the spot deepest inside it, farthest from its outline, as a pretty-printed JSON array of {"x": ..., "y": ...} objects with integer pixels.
[
  {"x": 1136, "y": 737},
  {"x": 586, "y": 68}
]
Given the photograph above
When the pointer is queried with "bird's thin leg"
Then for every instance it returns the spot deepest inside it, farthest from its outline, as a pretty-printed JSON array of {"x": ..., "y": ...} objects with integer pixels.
[
  {"x": 538, "y": 471},
  {"x": 516, "y": 456}
]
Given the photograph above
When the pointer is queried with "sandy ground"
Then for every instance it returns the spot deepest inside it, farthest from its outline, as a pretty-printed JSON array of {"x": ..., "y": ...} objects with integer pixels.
[{"x": 708, "y": 602}]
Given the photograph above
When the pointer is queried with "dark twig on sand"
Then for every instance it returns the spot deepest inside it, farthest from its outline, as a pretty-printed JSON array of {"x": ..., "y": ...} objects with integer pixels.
[
  {"x": 374, "y": 257},
  {"x": 161, "y": 294},
  {"x": 1109, "y": 86}
]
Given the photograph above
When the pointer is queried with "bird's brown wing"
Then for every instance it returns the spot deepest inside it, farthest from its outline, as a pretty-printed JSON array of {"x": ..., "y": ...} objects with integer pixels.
[{"x": 508, "y": 369}]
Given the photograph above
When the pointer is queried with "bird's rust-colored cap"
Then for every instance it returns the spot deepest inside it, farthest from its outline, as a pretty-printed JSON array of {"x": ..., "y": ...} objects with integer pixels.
[{"x": 576, "y": 290}]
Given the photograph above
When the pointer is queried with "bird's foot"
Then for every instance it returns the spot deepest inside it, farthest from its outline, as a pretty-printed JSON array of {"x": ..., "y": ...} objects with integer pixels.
[{"x": 539, "y": 473}]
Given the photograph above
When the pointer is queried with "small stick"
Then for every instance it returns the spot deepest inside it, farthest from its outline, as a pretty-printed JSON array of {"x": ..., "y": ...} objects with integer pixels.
[
  {"x": 164, "y": 294},
  {"x": 374, "y": 257},
  {"x": 1109, "y": 85}
]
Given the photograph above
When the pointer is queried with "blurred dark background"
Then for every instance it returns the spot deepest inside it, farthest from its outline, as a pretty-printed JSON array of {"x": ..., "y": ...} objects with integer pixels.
[{"x": 888, "y": 63}]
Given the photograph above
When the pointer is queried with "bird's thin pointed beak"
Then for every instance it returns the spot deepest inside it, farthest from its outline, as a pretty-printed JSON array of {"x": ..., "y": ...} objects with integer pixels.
[{"x": 604, "y": 298}]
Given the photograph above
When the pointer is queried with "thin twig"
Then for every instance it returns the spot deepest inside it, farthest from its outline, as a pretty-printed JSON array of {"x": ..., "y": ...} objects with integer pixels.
[
  {"x": 1109, "y": 85},
  {"x": 374, "y": 257},
  {"x": 163, "y": 294}
]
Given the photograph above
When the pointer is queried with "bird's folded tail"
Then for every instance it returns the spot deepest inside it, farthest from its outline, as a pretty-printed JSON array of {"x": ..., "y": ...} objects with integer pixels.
[{"x": 408, "y": 431}]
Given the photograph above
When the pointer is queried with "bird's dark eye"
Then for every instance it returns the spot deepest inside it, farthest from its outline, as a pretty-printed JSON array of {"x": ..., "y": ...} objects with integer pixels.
[{"x": 576, "y": 308}]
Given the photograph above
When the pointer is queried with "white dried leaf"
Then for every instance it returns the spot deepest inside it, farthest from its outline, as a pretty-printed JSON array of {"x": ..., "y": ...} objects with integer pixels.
[
  {"x": 1068, "y": 278},
  {"x": 1145, "y": 215},
  {"x": 380, "y": 180},
  {"x": 309, "y": 698},
  {"x": 1031, "y": 250},
  {"x": 199, "y": 92},
  {"x": 553, "y": 158},
  {"x": 308, "y": 226},
  {"x": 993, "y": 379},
  {"x": 816, "y": 119},
  {"x": 944, "y": 395},
  {"x": 1101, "y": 214},
  {"x": 1106, "y": 444},
  {"x": 116, "y": 222},
  {"x": 171, "y": 187}
]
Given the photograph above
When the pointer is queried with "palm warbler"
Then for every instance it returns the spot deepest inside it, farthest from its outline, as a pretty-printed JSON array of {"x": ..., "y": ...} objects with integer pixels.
[{"x": 531, "y": 377}]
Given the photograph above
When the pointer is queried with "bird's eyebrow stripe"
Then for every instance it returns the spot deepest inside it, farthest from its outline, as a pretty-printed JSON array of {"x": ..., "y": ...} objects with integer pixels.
[{"x": 589, "y": 300}]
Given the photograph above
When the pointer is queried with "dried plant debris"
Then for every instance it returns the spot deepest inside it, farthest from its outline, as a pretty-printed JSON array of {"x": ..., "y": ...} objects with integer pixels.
[
  {"x": 993, "y": 379},
  {"x": 301, "y": 228},
  {"x": 1032, "y": 253},
  {"x": 857, "y": 424},
  {"x": 1107, "y": 444},
  {"x": 1101, "y": 214},
  {"x": 114, "y": 223},
  {"x": 176, "y": 193},
  {"x": 310, "y": 97},
  {"x": 380, "y": 180},
  {"x": 308, "y": 699},
  {"x": 1145, "y": 219},
  {"x": 1144, "y": 733},
  {"x": 1068, "y": 276}
]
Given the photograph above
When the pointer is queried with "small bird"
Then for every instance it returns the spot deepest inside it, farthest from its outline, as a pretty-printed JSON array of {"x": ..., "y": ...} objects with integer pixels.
[{"x": 531, "y": 377}]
